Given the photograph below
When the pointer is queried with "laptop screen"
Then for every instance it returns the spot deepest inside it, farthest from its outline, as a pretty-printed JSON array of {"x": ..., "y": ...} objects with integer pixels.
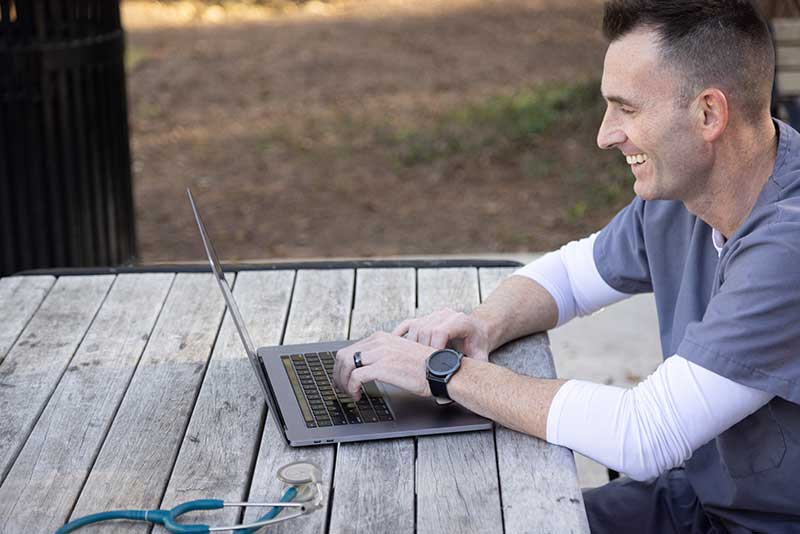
[{"x": 216, "y": 267}]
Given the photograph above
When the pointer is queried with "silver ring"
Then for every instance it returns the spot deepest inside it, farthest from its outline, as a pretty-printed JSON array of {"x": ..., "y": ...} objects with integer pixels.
[{"x": 357, "y": 359}]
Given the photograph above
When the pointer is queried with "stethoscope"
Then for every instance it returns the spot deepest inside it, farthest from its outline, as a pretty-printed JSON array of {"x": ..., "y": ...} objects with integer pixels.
[{"x": 303, "y": 496}]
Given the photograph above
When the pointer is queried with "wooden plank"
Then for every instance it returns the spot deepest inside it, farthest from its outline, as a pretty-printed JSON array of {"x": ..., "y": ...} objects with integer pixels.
[
  {"x": 491, "y": 277},
  {"x": 788, "y": 57},
  {"x": 384, "y": 298},
  {"x": 42, "y": 486},
  {"x": 33, "y": 368},
  {"x": 135, "y": 462},
  {"x": 375, "y": 479},
  {"x": 538, "y": 481},
  {"x": 452, "y": 288},
  {"x": 320, "y": 311},
  {"x": 20, "y": 297},
  {"x": 229, "y": 412},
  {"x": 457, "y": 481},
  {"x": 786, "y": 29},
  {"x": 317, "y": 312},
  {"x": 789, "y": 83}
]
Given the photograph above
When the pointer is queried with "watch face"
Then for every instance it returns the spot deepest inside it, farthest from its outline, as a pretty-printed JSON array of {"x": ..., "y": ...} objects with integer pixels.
[{"x": 443, "y": 362}]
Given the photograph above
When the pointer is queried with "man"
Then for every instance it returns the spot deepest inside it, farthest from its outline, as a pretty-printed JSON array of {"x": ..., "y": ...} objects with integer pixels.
[{"x": 711, "y": 440}]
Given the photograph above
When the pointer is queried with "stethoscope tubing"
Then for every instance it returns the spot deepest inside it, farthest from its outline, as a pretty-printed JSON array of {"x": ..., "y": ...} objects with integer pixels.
[{"x": 142, "y": 515}]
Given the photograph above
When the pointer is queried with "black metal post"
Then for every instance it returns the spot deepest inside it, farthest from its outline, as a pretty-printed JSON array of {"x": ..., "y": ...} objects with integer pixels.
[{"x": 66, "y": 195}]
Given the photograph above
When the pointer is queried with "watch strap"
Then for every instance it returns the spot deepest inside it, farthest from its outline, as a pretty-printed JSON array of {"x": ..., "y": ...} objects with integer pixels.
[{"x": 438, "y": 387}]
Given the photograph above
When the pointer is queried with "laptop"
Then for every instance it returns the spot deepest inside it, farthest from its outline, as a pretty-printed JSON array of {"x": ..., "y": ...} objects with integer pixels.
[{"x": 309, "y": 410}]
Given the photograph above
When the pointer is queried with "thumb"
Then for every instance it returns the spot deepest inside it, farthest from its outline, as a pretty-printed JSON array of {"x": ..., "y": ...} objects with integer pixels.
[{"x": 475, "y": 350}]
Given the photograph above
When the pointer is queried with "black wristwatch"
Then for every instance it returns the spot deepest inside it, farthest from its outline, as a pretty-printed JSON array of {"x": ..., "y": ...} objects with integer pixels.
[{"x": 440, "y": 368}]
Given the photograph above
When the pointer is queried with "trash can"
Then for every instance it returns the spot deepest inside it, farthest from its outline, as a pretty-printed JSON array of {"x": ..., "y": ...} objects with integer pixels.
[{"x": 66, "y": 196}]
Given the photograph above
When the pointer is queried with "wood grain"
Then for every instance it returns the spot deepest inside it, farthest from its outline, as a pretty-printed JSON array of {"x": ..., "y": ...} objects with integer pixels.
[
  {"x": 491, "y": 277},
  {"x": 786, "y": 29},
  {"x": 41, "y": 488},
  {"x": 383, "y": 299},
  {"x": 787, "y": 55},
  {"x": 320, "y": 311},
  {"x": 789, "y": 82},
  {"x": 538, "y": 481},
  {"x": 457, "y": 482},
  {"x": 220, "y": 444},
  {"x": 375, "y": 479},
  {"x": 135, "y": 462},
  {"x": 20, "y": 297},
  {"x": 33, "y": 368},
  {"x": 447, "y": 288},
  {"x": 189, "y": 427}
]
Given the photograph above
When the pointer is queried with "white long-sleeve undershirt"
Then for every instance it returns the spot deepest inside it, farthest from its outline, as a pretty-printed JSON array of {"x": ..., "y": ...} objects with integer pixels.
[
  {"x": 571, "y": 277},
  {"x": 640, "y": 431}
]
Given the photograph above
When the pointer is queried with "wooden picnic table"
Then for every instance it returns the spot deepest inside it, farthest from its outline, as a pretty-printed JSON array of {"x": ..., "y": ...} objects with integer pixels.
[{"x": 133, "y": 390}]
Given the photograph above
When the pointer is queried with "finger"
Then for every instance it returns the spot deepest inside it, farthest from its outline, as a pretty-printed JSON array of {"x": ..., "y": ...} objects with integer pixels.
[
  {"x": 475, "y": 350},
  {"x": 454, "y": 327},
  {"x": 439, "y": 338},
  {"x": 459, "y": 345},
  {"x": 344, "y": 359},
  {"x": 413, "y": 332},
  {"x": 402, "y": 328},
  {"x": 459, "y": 326},
  {"x": 344, "y": 377},
  {"x": 358, "y": 378},
  {"x": 424, "y": 336}
]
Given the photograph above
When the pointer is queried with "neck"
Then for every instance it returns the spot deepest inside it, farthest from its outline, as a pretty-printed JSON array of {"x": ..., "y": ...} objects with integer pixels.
[{"x": 742, "y": 166}]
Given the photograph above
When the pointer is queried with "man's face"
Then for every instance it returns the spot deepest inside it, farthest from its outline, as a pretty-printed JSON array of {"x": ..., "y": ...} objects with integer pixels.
[{"x": 646, "y": 122}]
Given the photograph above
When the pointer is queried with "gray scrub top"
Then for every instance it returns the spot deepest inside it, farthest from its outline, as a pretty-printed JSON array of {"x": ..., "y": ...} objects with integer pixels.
[{"x": 738, "y": 315}]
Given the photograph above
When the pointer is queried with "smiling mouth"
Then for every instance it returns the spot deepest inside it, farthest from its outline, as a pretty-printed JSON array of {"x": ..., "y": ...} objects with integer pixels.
[{"x": 636, "y": 159}]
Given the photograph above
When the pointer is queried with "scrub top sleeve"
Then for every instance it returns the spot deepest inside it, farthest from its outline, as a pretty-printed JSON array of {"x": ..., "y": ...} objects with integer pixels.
[
  {"x": 619, "y": 251},
  {"x": 750, "y": 331}
]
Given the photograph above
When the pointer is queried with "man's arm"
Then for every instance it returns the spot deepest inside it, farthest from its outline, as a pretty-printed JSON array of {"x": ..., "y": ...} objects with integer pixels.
[
  {"x": 515, "y": 401},
  {"x": 641, "y": 431},
  {"x": 545, "y": 293},
  {"x": 517, "y": 307}
]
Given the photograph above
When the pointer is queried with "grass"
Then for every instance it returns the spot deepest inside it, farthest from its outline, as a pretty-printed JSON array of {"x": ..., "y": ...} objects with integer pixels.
[
  {"x": 500, "y": 121},
  {"x": 542, "y": 135},
  {"x": 134, "y": 56}
]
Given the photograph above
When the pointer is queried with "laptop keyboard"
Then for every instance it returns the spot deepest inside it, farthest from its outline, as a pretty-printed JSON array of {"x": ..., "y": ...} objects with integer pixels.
[{"x": 321, "y": 403}]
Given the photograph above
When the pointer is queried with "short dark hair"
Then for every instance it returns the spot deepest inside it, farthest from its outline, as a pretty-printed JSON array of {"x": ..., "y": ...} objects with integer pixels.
[{"x": 720, "y": 43}]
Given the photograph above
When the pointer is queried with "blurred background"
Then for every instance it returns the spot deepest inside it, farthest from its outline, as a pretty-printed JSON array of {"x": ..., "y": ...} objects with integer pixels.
[
  {"x": 367, "y": 127},
  {"x": 308, "y": 128}
]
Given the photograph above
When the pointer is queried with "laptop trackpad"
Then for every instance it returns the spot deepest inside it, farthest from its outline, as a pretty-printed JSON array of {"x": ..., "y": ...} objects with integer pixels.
[{"x": 407, "y": 406}]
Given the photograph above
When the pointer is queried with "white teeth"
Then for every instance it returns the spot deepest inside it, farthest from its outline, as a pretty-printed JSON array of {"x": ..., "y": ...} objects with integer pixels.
[{"x": 638, "y": 158}]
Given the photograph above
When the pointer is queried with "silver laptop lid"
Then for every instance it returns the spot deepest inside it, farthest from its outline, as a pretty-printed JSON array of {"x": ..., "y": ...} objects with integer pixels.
[{"x": 216, "y": 267}]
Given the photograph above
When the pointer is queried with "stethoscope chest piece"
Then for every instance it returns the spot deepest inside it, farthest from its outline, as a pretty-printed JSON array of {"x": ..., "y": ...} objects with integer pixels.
[
  {"x": 307, "y": 478},
  {"x": 299, "y": 473}
]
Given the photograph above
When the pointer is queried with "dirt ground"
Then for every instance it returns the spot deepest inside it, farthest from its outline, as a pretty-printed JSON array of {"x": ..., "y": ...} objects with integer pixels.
[{"x": 313, "y": 132}]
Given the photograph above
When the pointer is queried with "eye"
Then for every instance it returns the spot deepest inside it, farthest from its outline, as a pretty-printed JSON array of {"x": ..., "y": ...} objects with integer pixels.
[{"x": 626, "y": 110}]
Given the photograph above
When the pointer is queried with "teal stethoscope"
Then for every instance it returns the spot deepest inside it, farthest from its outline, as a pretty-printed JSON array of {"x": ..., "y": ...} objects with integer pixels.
[{"x": 304, "y": 496}]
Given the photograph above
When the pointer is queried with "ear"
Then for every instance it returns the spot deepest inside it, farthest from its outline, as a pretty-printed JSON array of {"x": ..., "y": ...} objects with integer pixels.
[{"x": 712, "y": 108}]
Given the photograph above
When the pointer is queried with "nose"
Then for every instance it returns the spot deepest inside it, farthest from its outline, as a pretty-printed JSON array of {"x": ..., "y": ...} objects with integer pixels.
[{"x": 610, "y": 133}]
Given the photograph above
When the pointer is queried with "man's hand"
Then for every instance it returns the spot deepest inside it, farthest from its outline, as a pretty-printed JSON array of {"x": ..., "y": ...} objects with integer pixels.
[
  {"x": 467, "y": 333},
  {"x": 391, "y": 359}
]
